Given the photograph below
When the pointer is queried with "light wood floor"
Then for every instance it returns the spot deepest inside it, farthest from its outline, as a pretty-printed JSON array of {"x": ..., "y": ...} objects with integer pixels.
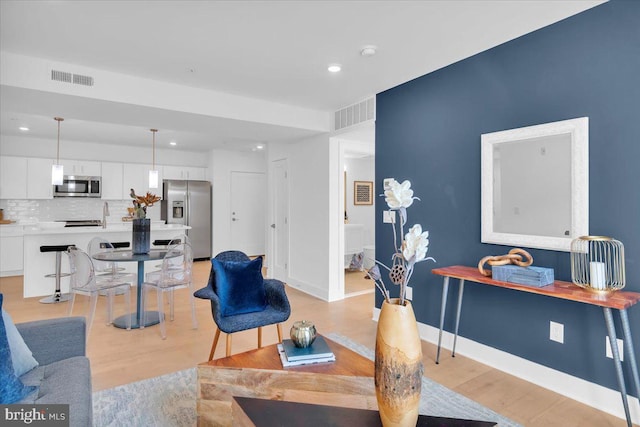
[
  {"x": 120, "y": 356},
  {"x": 357, "y": 283}
]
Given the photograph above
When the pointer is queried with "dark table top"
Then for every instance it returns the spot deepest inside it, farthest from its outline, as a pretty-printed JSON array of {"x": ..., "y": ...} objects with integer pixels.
[{"x": 272, "y": 413}]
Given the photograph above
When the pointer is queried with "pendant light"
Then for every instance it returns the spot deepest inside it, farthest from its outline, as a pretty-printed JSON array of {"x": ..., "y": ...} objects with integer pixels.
[
  {"x": 153, "y": 173},
  {"x": 57, "y": 173}
]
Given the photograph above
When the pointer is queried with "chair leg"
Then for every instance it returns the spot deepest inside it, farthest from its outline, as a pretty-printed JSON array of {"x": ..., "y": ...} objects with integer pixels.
[
  {"x": 163, "y": 330},
  {"x": 259, "y": 336},
  {"x": 228, "y": 353},
  {"x": 194, "y": 319},
  {"x": 143, "y": 306},
  {"x": 215, "y": 344},
  {"x": 110, "y": 293},
  {"x": 93, "y": 301},
  {"x": 72, "y": 300},
  {"x": 279, "y": 327},
  {"x": 171, "y": 303}
]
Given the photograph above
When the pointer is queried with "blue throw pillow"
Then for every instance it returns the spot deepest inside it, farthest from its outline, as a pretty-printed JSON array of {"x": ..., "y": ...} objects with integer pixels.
[
  {"x": 240, "y": 286},
  {"x": 21, "y": 356},
  {"x": 11, "y": 388}
]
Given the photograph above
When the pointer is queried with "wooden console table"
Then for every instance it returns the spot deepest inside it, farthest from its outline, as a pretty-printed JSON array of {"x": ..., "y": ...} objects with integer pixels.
[{"x": 564, "y": 290}]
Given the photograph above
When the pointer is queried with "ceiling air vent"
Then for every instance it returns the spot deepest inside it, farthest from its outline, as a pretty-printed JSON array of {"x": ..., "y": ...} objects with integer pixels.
[
  {"x": 61, "y": 76},
  {"x": 355, "y": 114},
  {"x": 82, "y": 80},
  {"x": 67, "y": 77}
]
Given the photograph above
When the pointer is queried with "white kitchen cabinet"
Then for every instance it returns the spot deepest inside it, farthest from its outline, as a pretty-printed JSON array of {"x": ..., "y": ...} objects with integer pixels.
[
  {"x": 11, "y": 255},
  {"x": 13, "y": 177},
  {"x": 81, "y": 167},
  {"x": 39, "y": 178},
  {"x": 184, "y": 172},
  {"x": 112, "y": 181},
  {"x": 11, "y": 250},
  {"x": 136, "y": 176}
]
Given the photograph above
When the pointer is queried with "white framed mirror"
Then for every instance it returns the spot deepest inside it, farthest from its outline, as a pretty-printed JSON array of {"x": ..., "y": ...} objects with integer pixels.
[{"x": 535, "y": 185}]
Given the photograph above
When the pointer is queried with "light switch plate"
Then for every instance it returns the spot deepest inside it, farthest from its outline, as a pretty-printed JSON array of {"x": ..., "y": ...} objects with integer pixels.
[
  {"x": 389, "y": 217},
  {"x": 608, "y": 351},
  {"x": 556, "y": 332}
]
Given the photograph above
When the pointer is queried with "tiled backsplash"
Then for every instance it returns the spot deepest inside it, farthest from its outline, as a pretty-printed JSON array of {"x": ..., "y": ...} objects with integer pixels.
[{"x": 68, "y": 208}]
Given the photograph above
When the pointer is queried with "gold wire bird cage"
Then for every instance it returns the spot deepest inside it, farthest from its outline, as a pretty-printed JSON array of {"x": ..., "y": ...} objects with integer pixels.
[{"x": 597, "y": 263}]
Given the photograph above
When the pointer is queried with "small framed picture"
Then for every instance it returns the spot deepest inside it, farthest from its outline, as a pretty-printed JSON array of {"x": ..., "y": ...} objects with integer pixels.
[{"x": 363, "y": 192}]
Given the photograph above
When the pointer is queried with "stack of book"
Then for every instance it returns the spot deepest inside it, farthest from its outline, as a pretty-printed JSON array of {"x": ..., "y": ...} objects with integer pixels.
[{"x": 317, "y": 352}]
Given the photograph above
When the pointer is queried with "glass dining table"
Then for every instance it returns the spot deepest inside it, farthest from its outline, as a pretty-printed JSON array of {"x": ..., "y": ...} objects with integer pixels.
[{"x": 151, "y": 317}]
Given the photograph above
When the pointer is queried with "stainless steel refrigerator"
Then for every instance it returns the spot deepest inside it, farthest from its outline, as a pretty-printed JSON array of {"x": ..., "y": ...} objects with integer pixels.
[{"x": 189, "y": 203}]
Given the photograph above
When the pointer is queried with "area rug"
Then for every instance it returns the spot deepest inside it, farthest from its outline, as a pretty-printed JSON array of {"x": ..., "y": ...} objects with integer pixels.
[{"x": 170, "y": 400}]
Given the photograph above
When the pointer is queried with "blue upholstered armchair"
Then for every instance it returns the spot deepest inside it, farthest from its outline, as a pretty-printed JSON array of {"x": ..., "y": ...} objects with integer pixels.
[{"x": 229, "y": 269}]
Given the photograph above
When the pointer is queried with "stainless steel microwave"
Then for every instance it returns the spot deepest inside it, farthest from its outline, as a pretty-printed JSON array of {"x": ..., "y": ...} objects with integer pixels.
[{"x": 79, "y": 186}]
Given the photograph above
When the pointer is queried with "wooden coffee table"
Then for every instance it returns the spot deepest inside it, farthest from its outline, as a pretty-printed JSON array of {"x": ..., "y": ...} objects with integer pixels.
[{"x": 347, "y": 382}]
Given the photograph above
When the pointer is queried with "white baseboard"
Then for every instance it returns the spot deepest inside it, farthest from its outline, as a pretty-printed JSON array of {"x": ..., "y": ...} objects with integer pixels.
[
  {"x": 11, "y": 273},
  {"x": 307, "y": 288},
  {"x": 594, "y": 395}
]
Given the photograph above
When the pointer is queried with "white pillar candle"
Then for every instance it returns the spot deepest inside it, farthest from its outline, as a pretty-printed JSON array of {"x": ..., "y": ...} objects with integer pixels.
[{"x": 597, "y": 275}]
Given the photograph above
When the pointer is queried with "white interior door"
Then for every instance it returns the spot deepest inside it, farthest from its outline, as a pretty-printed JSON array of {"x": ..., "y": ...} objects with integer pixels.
[
  {"x": 280, "y": 225},
  {"x": 248, "y": 212}
]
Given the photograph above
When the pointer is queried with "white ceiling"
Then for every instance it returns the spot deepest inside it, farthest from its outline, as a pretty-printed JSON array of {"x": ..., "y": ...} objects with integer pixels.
[{"x": 272, "y": 50}]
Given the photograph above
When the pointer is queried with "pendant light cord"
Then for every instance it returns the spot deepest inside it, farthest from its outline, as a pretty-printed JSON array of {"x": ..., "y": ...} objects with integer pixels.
[
  {"x": 58, "y": 119},
  {"x": 154, "y": 149}
]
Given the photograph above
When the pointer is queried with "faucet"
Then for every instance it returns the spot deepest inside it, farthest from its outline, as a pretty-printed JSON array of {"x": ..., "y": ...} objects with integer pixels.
[{"x": 105, "y": 214}]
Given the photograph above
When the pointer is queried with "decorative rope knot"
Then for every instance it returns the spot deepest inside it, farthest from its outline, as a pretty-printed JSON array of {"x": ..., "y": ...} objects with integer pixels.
[{"x": 513, "y": 257}]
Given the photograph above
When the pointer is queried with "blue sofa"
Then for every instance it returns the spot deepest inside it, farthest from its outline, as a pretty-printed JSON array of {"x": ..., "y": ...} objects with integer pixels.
[{"x": 64, "y": 373}]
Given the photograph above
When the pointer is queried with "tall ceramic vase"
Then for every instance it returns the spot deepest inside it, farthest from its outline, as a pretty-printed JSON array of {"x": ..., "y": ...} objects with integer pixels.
[
  {"x": 398, "y": 365},
  {"x": 141, "y": 238}
]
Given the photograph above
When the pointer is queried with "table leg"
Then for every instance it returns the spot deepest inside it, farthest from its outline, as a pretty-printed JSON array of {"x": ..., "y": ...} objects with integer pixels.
[
  {"x": 151, "y": 317},
  {"x": 608, "y": 317},
  {"x": 443, "y": 307},
  {"x": 458, "y": 309},
  {"x": 631, "y": 354}
]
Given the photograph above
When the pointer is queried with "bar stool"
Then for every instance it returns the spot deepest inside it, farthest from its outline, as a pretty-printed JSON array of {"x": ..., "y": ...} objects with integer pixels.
[{"x": 57, "y": 295}]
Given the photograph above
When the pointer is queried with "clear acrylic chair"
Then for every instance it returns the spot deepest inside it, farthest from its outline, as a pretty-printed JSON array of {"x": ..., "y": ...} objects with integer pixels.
[
  {"x": 84, "y": 281},
  {"x": 111, "y": 268},
  {"x": 167, "y": 243},
  {"x": 175, "y": 273},
  {"x": 99, "y": 244}
]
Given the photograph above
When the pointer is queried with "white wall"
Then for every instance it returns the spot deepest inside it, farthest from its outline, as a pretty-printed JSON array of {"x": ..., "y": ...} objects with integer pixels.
[
  {"x": 221, "y": 164},
  {"x": 361, "y": 169},
  {"x": 312, "y": 237}
]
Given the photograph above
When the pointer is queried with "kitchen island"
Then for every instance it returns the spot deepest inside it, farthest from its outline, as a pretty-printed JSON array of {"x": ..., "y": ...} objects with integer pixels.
[{"x": 38, "y": 264}]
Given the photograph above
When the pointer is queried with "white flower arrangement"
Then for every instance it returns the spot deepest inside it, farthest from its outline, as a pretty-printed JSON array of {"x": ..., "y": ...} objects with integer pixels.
[{"x": 412, "y": 248}]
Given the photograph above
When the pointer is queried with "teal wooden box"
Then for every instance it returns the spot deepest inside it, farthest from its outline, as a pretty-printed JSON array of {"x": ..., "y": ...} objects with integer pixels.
[{"x": 530, "y": 276}]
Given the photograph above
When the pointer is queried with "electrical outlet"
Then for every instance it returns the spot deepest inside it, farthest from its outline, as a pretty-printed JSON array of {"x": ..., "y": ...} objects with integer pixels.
[
  {"x": 389, "y": 217},
  {"x": 409, "y": 293},
  {"x": 556, "y": 332},
  {"x": 620, "y": 348}
]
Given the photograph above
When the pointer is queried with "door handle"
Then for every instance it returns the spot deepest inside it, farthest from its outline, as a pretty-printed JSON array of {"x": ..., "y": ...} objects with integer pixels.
[
  {"x": 234, "y": 219},
  {"x": 273, "y": 226}
]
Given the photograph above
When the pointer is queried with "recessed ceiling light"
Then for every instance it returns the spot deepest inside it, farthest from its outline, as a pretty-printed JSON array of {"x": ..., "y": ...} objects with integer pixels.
[
  {"x": 368, "y": 50},
  {"x": 334, "y": 68},
  {"x": 23, "y": 128},
  {"x": 173, "y": 143},
  {"x": 260, "y": 146}
]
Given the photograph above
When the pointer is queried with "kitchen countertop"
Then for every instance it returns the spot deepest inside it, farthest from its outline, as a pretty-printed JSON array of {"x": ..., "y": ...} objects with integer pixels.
[{"x": 36, "y": 229}]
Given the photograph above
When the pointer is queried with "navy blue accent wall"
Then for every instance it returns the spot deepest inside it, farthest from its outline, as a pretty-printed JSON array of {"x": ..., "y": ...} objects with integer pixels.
[{"x": 428, "y": 131}]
